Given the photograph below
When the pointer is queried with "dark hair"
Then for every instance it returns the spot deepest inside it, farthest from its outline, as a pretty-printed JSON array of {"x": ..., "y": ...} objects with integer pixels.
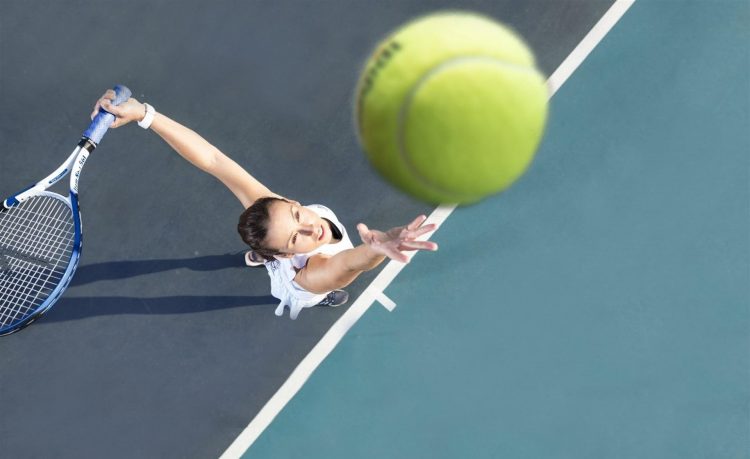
[{"x": 253, "y": 226}]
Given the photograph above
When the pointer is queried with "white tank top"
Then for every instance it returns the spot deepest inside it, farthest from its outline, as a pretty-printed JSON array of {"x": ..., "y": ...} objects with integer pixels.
[{"x": 282, "y": 270}]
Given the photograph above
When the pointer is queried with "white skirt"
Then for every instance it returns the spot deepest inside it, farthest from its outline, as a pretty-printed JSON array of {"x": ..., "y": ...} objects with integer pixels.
[{"x": 289, "y": 292}]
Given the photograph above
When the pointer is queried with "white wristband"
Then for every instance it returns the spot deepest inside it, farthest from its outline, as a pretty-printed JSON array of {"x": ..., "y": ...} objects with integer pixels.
[{"x": 145, "y": 123}]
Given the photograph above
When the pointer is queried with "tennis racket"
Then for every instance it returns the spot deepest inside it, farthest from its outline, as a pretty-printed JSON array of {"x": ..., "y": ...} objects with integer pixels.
[{"x": 41, "y": 235}]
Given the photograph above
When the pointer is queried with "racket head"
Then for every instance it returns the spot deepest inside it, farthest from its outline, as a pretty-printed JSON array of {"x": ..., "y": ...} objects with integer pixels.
[{"x": 40, "y": 245}]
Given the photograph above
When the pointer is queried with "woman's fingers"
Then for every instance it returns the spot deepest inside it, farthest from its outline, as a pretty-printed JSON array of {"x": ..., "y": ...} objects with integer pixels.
[
  {"x": 127, "y": 111},
  {"x": 398, "y": 256},
  {"x": 400, "y": 240},
  {"x": 418, "y": 245},
  {"x": 96, "y": 108},
  {"x": 109, "y": 96},
  {"x": 423, "y": 230},
  {"x": 416, "y": 223},
  {"x": 113, "y": 109},
  {"x": 364, "y": 233},
  {"x": 107, "y": 105}
]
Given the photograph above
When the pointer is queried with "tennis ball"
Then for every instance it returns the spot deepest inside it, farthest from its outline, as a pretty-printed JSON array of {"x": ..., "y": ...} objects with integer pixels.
[{"x": 451, "y": 108}]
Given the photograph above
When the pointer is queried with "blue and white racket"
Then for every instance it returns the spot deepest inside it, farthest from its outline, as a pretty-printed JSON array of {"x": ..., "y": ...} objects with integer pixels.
[{"x": 40, "y": 235}]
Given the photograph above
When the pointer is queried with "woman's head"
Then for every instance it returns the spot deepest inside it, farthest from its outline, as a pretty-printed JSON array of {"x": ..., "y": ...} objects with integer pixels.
[{"x": 279, "y": 227}]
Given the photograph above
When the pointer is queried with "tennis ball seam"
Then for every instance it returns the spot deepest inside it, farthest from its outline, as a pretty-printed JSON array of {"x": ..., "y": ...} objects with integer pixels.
[{"x": 406, "y": 105}]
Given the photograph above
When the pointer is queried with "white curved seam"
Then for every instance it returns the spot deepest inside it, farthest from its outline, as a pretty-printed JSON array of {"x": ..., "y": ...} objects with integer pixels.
[{"x": 406, "y": 105}]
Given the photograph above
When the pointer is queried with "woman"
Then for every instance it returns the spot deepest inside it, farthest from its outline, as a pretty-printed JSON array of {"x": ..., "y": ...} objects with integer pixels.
[{"x": 305, "y": 249}]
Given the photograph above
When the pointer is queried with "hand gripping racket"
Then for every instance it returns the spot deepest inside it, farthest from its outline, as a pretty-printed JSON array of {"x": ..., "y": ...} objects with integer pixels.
[{"x": 40, "y": 235}]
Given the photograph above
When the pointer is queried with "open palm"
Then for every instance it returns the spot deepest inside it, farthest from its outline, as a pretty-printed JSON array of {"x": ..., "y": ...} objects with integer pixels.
[{"x": 394, "y": 242}]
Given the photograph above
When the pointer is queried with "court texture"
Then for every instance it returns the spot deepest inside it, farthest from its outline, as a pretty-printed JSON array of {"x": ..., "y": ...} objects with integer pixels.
[{"x": 597, "y": 309}]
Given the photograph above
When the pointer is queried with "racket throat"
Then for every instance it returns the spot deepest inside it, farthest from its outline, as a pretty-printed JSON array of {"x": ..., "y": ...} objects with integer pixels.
[
  {"x": 86, "y": 147},
  {"x": 88, "y": 144}
]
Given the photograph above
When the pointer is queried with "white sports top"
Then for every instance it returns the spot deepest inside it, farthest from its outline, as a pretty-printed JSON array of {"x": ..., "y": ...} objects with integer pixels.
[{"x": 282, "y": 270}]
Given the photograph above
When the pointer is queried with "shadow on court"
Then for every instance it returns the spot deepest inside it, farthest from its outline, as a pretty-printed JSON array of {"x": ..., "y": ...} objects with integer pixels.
[
  {"x": 118, "y": 270},
  {"x": 75, "y": 308},
  {"x": 79, "y": 308}
]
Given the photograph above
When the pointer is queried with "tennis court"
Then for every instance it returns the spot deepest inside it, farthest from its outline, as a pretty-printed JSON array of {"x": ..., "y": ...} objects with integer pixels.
[{"x": 598, "y": 308}]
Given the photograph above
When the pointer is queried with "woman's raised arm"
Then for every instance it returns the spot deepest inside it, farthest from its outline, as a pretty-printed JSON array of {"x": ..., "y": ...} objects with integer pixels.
[{"x": 191, "y": 146}]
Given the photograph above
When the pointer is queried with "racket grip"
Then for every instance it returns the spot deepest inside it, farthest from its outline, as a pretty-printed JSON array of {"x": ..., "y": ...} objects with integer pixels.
[{"x": 103, "y": 119}]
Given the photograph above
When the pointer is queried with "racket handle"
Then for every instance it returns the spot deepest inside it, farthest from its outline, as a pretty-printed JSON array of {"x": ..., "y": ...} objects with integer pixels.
[{"x": 103, "y": 119}]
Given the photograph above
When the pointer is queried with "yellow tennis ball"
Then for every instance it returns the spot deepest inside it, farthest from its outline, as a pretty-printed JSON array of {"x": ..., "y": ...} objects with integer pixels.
[{"x": 451, "y": 108}]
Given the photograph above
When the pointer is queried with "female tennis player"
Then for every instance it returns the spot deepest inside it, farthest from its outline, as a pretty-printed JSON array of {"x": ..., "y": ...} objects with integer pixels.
[{"x": 305, "y": 249}]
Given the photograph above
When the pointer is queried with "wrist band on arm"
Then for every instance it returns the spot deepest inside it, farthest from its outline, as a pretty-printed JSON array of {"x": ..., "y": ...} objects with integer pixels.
[{"x": 145, "y": 123}]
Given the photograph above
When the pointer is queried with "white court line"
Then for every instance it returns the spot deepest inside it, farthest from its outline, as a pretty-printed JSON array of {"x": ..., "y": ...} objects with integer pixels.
[
  {"x": 589, "y": 42},
  {"x": 387, "y": 303},
  {"x": 375, "y": 290}
]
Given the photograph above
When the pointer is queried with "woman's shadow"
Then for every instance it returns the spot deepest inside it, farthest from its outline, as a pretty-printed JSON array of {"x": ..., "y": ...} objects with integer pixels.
[{"x": 74, "y": 308}]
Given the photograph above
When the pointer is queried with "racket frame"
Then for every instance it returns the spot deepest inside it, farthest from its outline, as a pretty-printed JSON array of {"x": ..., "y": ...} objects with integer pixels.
[{"x": 73, "y": 165}]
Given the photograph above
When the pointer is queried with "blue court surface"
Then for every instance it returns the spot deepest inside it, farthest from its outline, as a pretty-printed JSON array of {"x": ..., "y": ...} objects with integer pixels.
[{"x": 599, "y": 308}]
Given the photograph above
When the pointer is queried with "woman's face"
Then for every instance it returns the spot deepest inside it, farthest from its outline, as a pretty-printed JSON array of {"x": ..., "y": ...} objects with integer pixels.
[{"x": 294, "y": 229}]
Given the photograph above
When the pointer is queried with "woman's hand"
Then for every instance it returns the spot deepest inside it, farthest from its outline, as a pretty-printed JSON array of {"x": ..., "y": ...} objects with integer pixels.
[
  {"x": 395, "y": 241},
  {"x": 130, "y": 110}
]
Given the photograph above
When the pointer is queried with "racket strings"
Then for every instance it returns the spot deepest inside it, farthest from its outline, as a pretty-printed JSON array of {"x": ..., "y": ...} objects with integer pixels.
[{"x": 36, "y": 245}]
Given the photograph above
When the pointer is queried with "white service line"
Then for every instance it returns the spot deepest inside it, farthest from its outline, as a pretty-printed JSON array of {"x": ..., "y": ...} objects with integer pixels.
[
  {"x": 374, "y": 291},
  {"x": 387, "y": 303}
]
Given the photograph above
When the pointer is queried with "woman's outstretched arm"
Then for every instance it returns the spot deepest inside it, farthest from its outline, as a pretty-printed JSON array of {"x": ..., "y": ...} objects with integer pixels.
[
  {"x": 191, "y": 146},
  {"x": 325, "y": 273}
]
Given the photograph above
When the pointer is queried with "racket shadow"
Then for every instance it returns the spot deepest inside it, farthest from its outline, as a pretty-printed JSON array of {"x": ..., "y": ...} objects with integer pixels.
[
  {"x": 116, "y": 270},
  {"x": 79, "y": 308},
  {"x": 75, "y": 308}
]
